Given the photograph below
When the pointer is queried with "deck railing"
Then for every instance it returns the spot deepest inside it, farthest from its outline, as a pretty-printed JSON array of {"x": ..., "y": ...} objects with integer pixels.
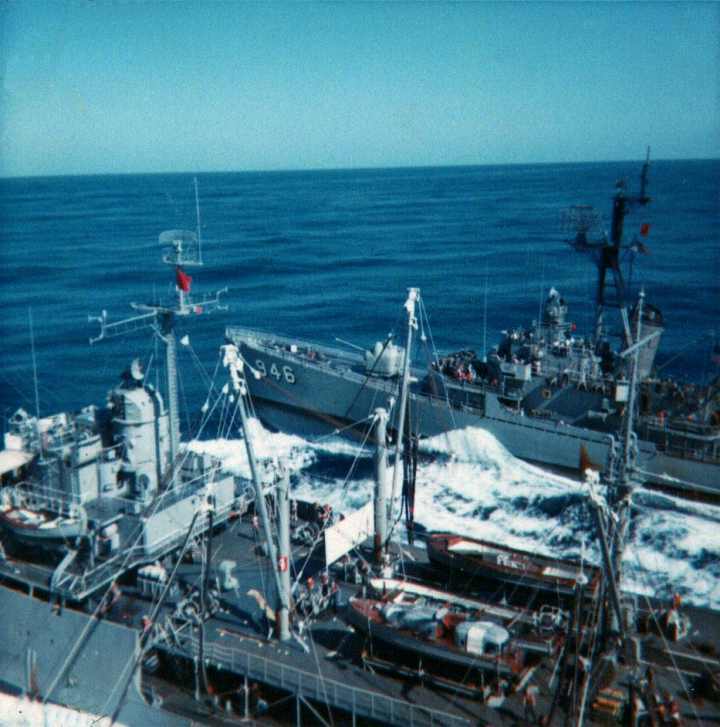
[{"x": 314, "y": 686}]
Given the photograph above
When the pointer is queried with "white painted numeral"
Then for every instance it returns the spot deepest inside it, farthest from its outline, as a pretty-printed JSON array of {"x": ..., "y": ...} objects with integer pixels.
[{"x": 287, "y": 373}]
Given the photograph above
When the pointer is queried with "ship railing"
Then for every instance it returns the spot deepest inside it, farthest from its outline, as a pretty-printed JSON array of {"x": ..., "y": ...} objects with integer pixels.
[
  {"x": 282, "y": 346},
  {"x": 689, "y": 452},
  {"x": 166, "y": 498},
  {"x": 681, "y": 444},
  {"x": 318, "y": 687},
  {"x": 687, "y": 427},
  {"x": 571, "y": 375},
  {"x": 79, "y": 585},
  {"x": 42, "y": 497},
  {"x": 338, "y": 362},
  {"x": 174, "y": 537}
]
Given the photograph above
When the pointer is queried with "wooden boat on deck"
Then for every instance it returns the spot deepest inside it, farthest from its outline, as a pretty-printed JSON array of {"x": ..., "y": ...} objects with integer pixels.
[
  {"x": 480, "y": 559},
  {"x": 443, "y": 633}
]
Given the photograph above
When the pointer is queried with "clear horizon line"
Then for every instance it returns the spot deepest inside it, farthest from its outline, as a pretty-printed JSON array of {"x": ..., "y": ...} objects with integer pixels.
[{"x": 297, "y": 170}]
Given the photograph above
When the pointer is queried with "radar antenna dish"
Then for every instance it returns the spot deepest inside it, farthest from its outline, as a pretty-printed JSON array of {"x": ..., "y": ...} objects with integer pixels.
[
  {"x": 584, "y": 223},
  {"x": 136, "y": 370},
  {"x": 181, "y": 247}
]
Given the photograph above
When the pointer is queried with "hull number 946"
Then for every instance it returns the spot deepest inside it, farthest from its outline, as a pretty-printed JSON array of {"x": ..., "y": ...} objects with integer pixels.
[{"x": 285, "y": 373}]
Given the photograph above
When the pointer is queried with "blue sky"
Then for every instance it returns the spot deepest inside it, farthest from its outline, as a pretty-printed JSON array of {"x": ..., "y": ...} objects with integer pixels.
[{"x": 97, "y": 87}]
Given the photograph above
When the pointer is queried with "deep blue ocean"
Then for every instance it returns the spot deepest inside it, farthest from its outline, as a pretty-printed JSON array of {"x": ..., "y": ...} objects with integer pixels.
[
  {"x": 331, "y": 253},
  {"x": 321, "y": 254}
]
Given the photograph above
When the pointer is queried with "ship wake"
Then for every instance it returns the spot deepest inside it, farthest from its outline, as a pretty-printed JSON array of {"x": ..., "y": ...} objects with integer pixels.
[{"x": 468, "y": 483}]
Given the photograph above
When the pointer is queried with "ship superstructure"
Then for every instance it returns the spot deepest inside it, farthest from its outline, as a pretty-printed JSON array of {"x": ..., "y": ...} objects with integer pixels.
[
  {"x": 103, "y": 497},
  {"x": 155, "y": 596},
  {"x": 546, "y": 392},
  {"x": 109, "y": 488}
]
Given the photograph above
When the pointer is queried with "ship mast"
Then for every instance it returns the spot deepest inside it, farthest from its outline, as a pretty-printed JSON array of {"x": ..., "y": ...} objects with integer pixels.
[
  {"x": 279, "y": 555},
  {"x": 182, "y": 249},
  {"x": 607, "y": 252},
  {"x": 613, "y": 515},
  {"x": 613, "y": 537},
  {"x": 410, "y": 303}
]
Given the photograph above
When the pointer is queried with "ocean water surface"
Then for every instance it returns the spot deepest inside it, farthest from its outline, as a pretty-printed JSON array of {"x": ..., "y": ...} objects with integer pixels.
[{"x": 330, "y": 254}]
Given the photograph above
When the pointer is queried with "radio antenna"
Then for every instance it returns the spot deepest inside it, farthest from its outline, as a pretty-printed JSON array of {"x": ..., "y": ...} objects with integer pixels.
[
  {"x": 197, "y": 215},
  {"x": 34, "y": 362}
]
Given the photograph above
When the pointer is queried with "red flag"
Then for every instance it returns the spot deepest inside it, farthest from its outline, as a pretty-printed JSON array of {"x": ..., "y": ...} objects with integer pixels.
[
  {"x": 182, "y": 279},
  {"x": 645, "y": 229}
]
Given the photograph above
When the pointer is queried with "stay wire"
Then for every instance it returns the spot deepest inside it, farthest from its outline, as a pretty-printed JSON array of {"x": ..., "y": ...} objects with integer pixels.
[
  {"x": 436, "y": 357},
  {"x": 668, "y": 650},
  {"x": 175, "y": 467},
  {"x": 327, "y": 524},
  {"x": 134, "y": 660}
]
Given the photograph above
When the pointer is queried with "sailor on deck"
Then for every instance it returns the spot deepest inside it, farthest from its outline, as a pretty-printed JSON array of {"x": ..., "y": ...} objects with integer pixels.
[{"x": 530, "y": 703}]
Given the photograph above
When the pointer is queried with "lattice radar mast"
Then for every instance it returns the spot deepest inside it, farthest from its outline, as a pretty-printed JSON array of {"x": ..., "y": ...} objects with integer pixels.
[{"x": 586, "y": 225}]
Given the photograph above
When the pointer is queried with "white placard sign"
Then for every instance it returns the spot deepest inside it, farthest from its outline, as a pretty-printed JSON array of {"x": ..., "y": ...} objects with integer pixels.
[{"x": 348, "y": 533}]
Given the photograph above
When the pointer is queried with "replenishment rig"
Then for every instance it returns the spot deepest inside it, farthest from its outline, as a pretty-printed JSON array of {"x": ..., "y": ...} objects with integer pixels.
[{"x": 143, "y": 584}]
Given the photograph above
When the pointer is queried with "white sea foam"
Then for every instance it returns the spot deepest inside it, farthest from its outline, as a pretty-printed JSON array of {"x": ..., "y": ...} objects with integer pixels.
[
  {"x": 468, "y": 483},
  {"x": 478, "y": 446},
  {"x": 293, "y": 452},
  {"x": 342, "y": 496},
  {"x": 663, "y": 501}
]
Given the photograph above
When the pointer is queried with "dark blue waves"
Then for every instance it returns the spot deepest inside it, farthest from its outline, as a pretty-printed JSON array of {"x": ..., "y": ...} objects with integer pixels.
[{"x": 325, "y": 254}]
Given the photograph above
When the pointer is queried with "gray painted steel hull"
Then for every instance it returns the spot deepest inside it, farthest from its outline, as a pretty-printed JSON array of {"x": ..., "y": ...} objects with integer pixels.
[{"x": 318, "y": 398}]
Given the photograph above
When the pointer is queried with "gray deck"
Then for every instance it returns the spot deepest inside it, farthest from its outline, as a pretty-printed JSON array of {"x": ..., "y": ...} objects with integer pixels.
[{"x": 327, "y": 682}]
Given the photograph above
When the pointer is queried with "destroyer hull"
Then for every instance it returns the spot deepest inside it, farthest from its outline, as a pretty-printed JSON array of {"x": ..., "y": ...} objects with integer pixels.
[{"x": 313, "y": 398}]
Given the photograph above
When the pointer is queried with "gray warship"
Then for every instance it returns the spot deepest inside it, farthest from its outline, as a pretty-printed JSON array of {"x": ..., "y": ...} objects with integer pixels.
[
  {"x": 141, "y": 584},
  {"x": 548, "y": 394},
  {"x": 91, "y": 501}
]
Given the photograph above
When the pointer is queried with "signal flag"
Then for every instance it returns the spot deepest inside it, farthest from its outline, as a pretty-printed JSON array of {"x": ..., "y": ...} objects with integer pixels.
[{"x": 182, "y": 279}]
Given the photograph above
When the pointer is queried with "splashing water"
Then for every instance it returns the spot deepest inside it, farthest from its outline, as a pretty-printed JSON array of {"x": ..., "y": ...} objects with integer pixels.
[{"x": 468, "y": 483}]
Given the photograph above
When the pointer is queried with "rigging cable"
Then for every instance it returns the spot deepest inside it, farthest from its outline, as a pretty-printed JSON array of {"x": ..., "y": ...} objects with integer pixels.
[
  {"x": 322, "y": 529},
  {"x": 668, "y": 650},
  {"x": 135, "y": 539}
]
